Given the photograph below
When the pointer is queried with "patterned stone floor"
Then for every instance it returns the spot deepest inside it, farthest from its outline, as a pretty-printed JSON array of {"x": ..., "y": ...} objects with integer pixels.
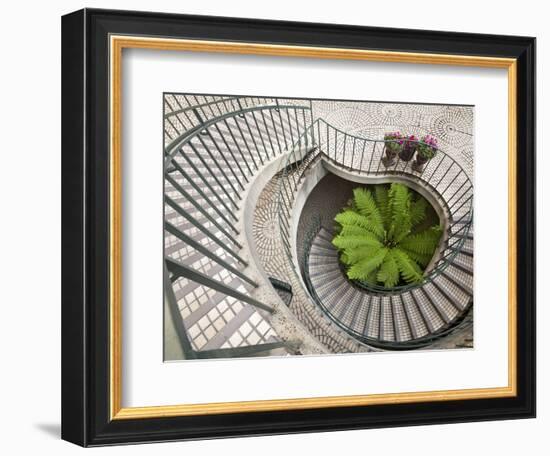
[
  {"x": 453, "y": 126},
  {"x": 270, "y": 251}
]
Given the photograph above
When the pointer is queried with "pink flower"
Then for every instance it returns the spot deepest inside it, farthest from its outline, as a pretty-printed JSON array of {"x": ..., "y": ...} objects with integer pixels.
[{"x": 430, "y": 140}]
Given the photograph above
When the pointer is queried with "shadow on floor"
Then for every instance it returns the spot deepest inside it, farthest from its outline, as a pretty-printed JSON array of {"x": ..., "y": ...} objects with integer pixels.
[{"x": 51, "y": 429}]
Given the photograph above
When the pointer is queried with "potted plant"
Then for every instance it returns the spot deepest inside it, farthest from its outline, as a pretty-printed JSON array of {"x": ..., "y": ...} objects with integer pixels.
[
  {"x": 393, "y": 143},
  {"x": 425, "y": 151},
  {"x": 410, "y": 143}
]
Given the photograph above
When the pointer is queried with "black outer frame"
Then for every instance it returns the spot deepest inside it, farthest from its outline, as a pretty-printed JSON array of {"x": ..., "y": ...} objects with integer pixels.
[{"x": 85, "y": 227}]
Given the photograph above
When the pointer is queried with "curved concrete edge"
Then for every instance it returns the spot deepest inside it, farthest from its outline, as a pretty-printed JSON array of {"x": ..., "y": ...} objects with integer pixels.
[
  {"x": 313, "y": 175},
  {"x": 284, "y": 322},
  {"x": 317, "y": 171}
]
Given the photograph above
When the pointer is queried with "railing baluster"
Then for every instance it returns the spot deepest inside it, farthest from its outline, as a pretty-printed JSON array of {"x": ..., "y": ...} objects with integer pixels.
[
  {"x": 449, "y": 184},
  {"x": 199, "y": 156},
  {"x": 461, "y": 196},
  {"x": 372, "y": 155},
  {"x": 443, "y": 177},
  {"x": 219, "y": 167},
  {"x": 203, "y": 211},
  {"x": 436, "y": 168},
  {"x": 328, "y": 143},
  {"x": 224, "y": 158},
  {"x": 319, "y": 142},
  {"x": 464, "y": 202},
  {"x": 184, "y": 271},
  {"x": 261, "y": 136},
  {"x": 224, "y": 101},
  {"x": 336, "y": 155},
  {"x": 456, "y": 191},
  {"x": 170, "y": 202},
  {"x": 202, "y": 193},
  {"x": 177, "y": 114},
  {"x": 289, "y": 126},
  {"x": 353, "y": 152},
  {"x": 276, "y": 132},
  {"x": 245, "y": 143},
  {"x": 397, "y": 160},
  {"x": 362, "y": 157},
  {"x": 253, "y": 139},
  {"x": 167, "y": 133},
  {"x": 194, "y": 103},
  {"x": 305, "y": 126},
  {"x": 229, "y": 149},
  {"x": 184, "y": 112},
  {"x": 283, "y": 129},
  {"x": 202, "y": 177},
  {"x": 268, "y": 134},
  {"x": 206, "y": 252},
  {"x": 217, "y": 104},
  {"x": 177, "y": 118},
  {"x": 228, "y": 127},
  {"x": 381, "y": 156}
]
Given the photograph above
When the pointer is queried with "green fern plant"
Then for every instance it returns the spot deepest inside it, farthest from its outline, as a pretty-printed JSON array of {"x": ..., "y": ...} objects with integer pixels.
[{"x": 380, "y": 236}]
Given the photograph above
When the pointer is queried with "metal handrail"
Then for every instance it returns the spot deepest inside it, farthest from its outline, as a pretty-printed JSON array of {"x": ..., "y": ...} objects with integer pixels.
[
  {"x": 235, "y": 104},
  {"x": 215, "y": 178},
  {"x": 172, "y": 148}
]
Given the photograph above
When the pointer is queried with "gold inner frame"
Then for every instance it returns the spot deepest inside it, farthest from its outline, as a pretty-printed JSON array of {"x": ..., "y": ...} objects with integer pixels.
[{"x": 117, "y": 44}]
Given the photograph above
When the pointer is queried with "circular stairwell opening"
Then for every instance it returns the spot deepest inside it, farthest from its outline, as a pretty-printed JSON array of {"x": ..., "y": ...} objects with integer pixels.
[{"x": 386, "y": 235}]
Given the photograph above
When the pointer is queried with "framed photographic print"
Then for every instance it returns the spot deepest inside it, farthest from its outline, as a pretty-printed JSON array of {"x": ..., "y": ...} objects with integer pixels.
[{"x": 277, "y": 227}]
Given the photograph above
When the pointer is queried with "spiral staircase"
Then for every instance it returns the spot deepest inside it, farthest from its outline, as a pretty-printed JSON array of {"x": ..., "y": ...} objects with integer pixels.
[{"x": 246, "y": 276}]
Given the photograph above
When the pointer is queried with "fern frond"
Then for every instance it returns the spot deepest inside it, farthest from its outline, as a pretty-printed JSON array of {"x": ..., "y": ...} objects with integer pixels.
[
  {"x": 382, "y": 200},
  {"x": 400, "y": 201},
  {"x": 358, "y": 254},
  {"x": 366, "y": 204},
  {"x": 388, "y": 272},
  {"x": 355, "y": 230},
  {"x": 421, "y": 259},
  {"x": 344, "y": 258},
  {"x": 424, "y": 242},
  {"x": 409, "y": 270},
  {"x": 401, "y": 229},
  {"x": 362, "y": 269},
  {"x": 371, "y": 278},
  {"x": 349, "y": 217},
  {"x": 345, "y": 242},
  {"x": 418, "y": 211}
]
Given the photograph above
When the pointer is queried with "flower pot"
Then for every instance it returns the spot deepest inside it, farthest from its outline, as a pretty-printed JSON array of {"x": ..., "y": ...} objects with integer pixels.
[
  {"x": 390, "y": 158},
  {"x": 407, "y": 153},
  {"x": 420, "y": 161}
]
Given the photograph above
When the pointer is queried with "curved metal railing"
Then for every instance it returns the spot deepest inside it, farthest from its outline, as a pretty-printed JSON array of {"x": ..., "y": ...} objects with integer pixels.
[
  {"x": 465, "y": 320},
  {"x": 187, "y": 112},
  {"x": 332, "y": 144},
  {"x": 442, "y": 176},
  {"x": 213, "y": 149}
]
